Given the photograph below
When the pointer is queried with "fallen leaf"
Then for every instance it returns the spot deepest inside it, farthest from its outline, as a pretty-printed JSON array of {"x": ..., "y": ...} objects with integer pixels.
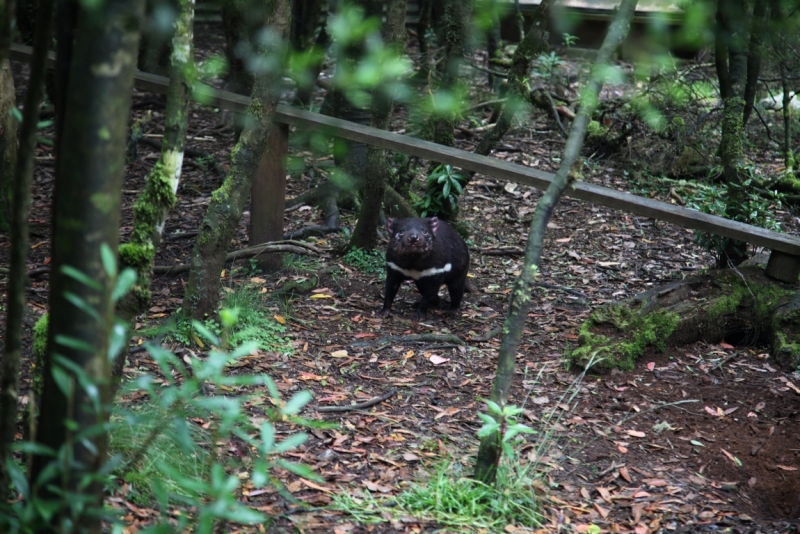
[
  {"x": 602, "y": 511},
  {"x": 726, "y": 346},
  {"x": 438, "y": 360},
  {"x": 732, "y": 458},
  {"x": 786, "y": 467},
  {"x": 339, "y": 354},
  {"x": 651, "y": 366},
  {"x": 280, "y": 318},
  {"x": 321, "y": 296},
  {"x": 623, "y": 472},
  {"x": 635, "y": 433}
]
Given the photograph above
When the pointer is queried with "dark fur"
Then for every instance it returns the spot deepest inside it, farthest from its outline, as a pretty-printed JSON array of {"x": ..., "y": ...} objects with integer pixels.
[{"x": 419, "y": 245}]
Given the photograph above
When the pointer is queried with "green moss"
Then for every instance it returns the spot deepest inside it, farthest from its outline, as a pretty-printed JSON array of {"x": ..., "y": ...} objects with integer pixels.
[
  {"x": 761, "y": 297},
  {"x": 136, "y": 256},
  {"x": 39, "y": 352},
  {"x": 40, "y": 336},
  {"x": 633, "y": 333},
  {"x": 158, "y": 197},
  {"x": 594, "y": 129}
]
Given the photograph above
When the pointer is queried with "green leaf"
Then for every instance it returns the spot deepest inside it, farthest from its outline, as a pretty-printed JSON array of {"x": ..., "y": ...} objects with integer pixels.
[
  {"x": 74, "y": 343},
  {"x": 109, "y": 260},
  {"x": 123, "y": 284},
  {"x": 82, "y": 305},
  {"x": 290, "y": 443},
  {"x": 84, "y": 279},
  {"x": 494, "y": 407},
  {"x": 297, "y": 402},
  {"x": 299, "y": 469}
]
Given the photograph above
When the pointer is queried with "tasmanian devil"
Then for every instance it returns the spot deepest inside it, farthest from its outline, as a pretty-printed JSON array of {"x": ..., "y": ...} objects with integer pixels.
[{"x": 431, "y": 253}]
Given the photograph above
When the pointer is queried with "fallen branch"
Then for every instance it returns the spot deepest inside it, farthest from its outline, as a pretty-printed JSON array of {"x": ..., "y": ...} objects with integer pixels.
[
  {"x": 360, "y": 406},
  {"x": 295, "y": 247},
  {"x": 307, "y": 231},
  {"x": 507, "y": 251}
]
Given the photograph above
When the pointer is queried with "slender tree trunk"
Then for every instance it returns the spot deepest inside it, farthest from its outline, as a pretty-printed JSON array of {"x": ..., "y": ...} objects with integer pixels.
[
  {"x": 533, "y": 44},
  {"x": 91, "y": 162},
  {"x": 8, "y": 124},
  {"x": 423, "y": 26},
  {"x": 731, "y": 147},
  {"x": 227, "y": 203},
  {"x": 21, "y": 193},
  {"x": 489, "y": 452},
  {"x": 159, "y": 196},
  {"x": 755, "y": 51},
  {"x": 377, "y": 170},
  {"x": 66, "y": 22}
]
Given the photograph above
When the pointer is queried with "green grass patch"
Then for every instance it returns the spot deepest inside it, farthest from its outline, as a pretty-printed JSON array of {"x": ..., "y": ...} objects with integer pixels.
[
  {"x": 366, "y": 261},
  {"x": 165, "y": 456},
  {"x": 454, "y": 501}
]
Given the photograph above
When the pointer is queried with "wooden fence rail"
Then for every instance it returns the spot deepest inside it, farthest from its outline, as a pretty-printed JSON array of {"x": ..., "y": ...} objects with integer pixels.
[{"x": 788, "y": 246}]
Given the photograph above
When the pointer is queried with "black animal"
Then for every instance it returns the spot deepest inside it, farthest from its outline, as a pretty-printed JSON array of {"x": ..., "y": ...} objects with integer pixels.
[{"x": 431, "y": 253}]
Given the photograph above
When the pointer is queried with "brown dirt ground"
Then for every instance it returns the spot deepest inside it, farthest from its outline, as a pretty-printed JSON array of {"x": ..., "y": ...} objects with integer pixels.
[{"x": 702, "y": 438}]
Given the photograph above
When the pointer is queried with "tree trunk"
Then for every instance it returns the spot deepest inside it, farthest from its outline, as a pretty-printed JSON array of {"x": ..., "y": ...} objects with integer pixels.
[
  {"x": 8, "y": 124},
  {"x": 91, "y": 162},
  {"x": 227, "y": 203},
  {"x": 743, "y": 307},
  {"x": 489, "y": 452},
  {"x": 455, "y": 31},
  {"x": 423, "y": 26},
  {"x": 533, "y": 44},
  {"x": 378, "y": 169},
  {"x": 755, "y": 51},
  {"x": 161, "y": 185},
  {"x": 21, "y": 194},
  {"x": 731, "y": 150}
]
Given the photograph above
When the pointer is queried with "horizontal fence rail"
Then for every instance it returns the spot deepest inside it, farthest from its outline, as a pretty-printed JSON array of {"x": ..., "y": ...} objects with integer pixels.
[{"x": 492, "y": 167}]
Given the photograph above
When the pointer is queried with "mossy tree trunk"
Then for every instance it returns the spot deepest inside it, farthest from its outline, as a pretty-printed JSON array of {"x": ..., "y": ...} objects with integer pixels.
[
  {"x": 161, "y": 185},
  {"x": 90, "y": 167},
  {"x": 489, "y": 453},
  {"x": 732, "y": 37},
  {"x": 378, "y": 168},
  {"x": 227, "y": 202}
]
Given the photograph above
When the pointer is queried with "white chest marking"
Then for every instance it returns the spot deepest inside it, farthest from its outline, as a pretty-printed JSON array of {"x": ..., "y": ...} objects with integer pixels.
[{"x": 416, "y": 275}]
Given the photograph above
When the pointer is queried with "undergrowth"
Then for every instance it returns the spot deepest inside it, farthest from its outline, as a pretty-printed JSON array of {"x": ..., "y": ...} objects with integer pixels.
[
  {"x": 253, "y": 322},
  {"x": 144, "y": 449},
  {"x": 366, "y": 261}
]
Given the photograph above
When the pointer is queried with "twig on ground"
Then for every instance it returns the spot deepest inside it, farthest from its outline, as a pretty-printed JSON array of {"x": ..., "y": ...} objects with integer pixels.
[{"x": 361, "y": 405}]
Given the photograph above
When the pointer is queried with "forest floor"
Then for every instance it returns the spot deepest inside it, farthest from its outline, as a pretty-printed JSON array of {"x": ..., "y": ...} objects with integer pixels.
[{"x": 700, "y": 438}]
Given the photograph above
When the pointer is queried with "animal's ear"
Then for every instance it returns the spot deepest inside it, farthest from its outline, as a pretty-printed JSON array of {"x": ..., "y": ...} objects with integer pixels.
[
  {"x": 390, "y": 225},
  {"x": 434, "y": 224}
]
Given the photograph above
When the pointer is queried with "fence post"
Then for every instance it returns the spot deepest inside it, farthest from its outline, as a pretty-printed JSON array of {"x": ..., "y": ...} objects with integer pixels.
[{"x": 268, "y": 197}]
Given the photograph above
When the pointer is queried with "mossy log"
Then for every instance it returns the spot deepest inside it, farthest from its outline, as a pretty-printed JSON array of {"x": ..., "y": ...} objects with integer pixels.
[{"x": 741, "y": 307}]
